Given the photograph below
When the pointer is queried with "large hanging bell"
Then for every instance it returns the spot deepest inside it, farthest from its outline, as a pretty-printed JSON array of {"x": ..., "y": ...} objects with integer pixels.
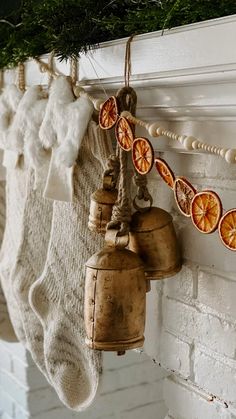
[
  {"x": 115, "y": 291},
  {"x": 153, "y": 238},
  {"x": 101, "y": 205}
]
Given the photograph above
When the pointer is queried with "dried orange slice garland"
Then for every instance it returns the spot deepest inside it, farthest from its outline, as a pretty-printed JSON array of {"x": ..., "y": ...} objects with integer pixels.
[
  {"x": 142, "y": 155},
  {"x": 227, "y": 229},
  {"x": 184, "y": 193},
  {"x": 165, "y": 172},
  {"x": 206, "y": 211},
  {"x": 204, "y": 208},
  {"x": 108, "y": 114},
  {"x": 124, "y": 133}
]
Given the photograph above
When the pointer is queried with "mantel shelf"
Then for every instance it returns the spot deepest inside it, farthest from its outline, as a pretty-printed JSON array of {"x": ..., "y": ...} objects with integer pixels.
[{"x": 185, "y": 79}]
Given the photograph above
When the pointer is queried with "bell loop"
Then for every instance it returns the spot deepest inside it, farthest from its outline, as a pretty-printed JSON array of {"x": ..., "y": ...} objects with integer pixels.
[
  {"x": 114, "y": 239},
  {"x": 142, "y": 209}
]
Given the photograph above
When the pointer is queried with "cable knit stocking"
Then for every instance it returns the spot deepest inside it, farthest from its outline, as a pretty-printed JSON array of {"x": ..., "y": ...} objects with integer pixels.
[
  {"x": 36, "y": 224},
  {"x": 58, "y": 296},
  {"x": 6, "y": 330},
  {"x": 29, "y": 114}
]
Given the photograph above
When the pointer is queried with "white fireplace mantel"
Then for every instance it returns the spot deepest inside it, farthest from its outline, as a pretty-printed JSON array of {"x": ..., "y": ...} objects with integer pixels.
[{"x": 184, "y": 78}]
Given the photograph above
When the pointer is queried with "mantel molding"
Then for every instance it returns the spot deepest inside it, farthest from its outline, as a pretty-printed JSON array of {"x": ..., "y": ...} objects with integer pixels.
[{"x": 185, "y": 78}]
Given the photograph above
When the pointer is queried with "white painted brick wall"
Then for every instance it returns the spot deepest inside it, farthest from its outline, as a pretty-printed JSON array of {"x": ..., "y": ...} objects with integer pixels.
[
  {"x": 198, "y": 337},
  {"x": 130, "y": 386}
]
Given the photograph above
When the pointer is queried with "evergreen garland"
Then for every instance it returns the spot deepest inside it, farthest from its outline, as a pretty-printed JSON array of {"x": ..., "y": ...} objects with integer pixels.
[{"x": 70, "y": 27}]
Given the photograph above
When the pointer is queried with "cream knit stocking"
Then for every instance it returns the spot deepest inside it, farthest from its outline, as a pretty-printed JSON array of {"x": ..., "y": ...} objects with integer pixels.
[
  {"x": 6, "y": 330},
  {"x": 57, "y": 297},
  {"x": 36, "y": 224},
  {"x": 15, "y": 198},
  {"x": 26, "y": 116},
  {"x": 31, "y": 257}
]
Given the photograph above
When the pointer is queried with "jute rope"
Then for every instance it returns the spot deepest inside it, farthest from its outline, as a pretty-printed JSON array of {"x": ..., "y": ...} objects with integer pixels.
[
  {"x": 21, "y": 77},
  {"x": 50, "y": 67},
  {"x": 128, "y": 61},
  {"x": 73, "y": 70},
  {"x": 111, "y": 173},
  {"x": 1, "y": 79},
  {"x": 121, "y": 214}
]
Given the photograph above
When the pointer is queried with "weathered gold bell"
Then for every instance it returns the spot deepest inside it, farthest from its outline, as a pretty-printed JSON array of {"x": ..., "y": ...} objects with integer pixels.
[
  {"x": 101, "y": 205},
  {"x": 115, "y": 300},
  {"x": 153, "y": 238}
]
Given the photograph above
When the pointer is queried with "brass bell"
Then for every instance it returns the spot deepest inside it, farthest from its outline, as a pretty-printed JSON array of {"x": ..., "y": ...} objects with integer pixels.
[
  {"x": 101, "y": 205},
  {"x": 153, "y": 238},
  {"x": 115, "y": 302}
]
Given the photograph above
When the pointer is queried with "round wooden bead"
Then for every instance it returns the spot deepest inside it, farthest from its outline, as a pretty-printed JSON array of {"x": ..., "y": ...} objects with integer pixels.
[
  {"x": 222, "y": 152},
  {"x": 125, "y": 114},
  {"x": 188, "y": 143},
  {"x": 159, "y": 131},
  {"x": 97, "y": 103},
  {"x": 230, "y": 155},
  {"x": 152, "y": 129},
  {"x": 181, "y": 138},
  {"x": 195, "y": 144},
  {"x": 78, "y": 90}
]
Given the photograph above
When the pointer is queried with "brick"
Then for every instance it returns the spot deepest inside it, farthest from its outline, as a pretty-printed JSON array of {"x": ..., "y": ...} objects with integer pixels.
[
  {"x": 112, "y": 362},
  {"x": 187, "y": 321},
  {"x": 181, "y": 286},
  {"x": 6, "y": 363},
  {"x": 43, "y": 400},
  {"x": 217, "y": 377},
  {"x": 4, "y": 415},
  {"x": 130, "y": 376},
  {"x": 58, "y": 413},
  {"x": 152, "y": 410},
  {"x": 185, "y": 402},
  {"x": 126, "y": 399},
  {"x": 153, "y": 317},
  {"x": 36, "y": 380},
  {"x": 205, "y": 249},
  {"x": 217, "y": 292},
  {"x": 175, "y": 354},
  {"x": 16, "y": 390},
  {"x": 7, "y": 403}
]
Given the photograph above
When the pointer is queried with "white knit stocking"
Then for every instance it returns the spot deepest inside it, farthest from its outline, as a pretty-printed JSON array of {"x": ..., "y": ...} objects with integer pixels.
[
  {"x": 6, "y": 330},
  {"x": 57, "y": 297},
  {"x": 31, "y": 257},
  {"x": 15, "y": 199}
]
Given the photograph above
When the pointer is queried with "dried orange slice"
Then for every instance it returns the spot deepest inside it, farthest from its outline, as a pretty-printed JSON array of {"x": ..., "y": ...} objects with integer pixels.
[
  {"x": 206, "y": 211},
  {"x": 165, "y": 172},
  {"x": 108, "y": 113},
  {"x": 227, "y": 229},
  {"x": 124, "y": 134},
  {"x": 184, "y": 193},
  {"x": 142, "y": 155}
]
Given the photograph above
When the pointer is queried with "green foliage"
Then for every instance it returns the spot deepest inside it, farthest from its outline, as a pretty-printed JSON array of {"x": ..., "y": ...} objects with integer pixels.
[{"x": 69, "y": 27}]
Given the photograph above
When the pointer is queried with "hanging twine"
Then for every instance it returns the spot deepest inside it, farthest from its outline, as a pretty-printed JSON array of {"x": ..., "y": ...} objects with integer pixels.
[
  {"x": 21, "y": 77},
  {"x": 46, "y": 68},
  {"x": 112, "y": 172},
  {"x": 50, "y": 67},
  {"x": 121, "y": 214},
  {"x": 73, "y": 70},
  {"x": 127, "y": 72},
  {"x": 1, "y": 79}
]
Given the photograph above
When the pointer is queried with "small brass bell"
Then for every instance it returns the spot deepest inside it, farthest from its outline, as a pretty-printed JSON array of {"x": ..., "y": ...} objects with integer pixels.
[
  {"x": 115, "y": 302},
  {"x": 101, "y": 205},
  {"x": 153, "y": 238},
  {"x": 103, "y": 200}
]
